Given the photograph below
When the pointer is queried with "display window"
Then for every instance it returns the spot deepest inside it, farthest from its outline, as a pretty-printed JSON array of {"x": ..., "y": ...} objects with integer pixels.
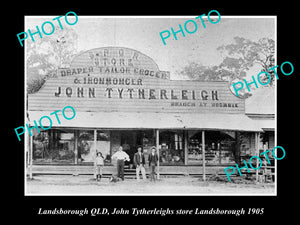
[
  {"x": 69, "y": 146},
  {"x": 54, "y": 146},
  {"x": 220, "y": 148},
  {"x": 66, "y": 146},
  {"x": 85, "y": 146},
  {"x": 171, "y": 147},
  {"x": 86, "y": 150}
]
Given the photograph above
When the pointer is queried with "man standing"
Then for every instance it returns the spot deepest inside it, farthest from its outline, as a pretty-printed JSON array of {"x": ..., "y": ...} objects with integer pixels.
[
  {"x": 139, "y": 162},
  {"x": 152, "y": 159},
  {"x": 121, "y": 157}
]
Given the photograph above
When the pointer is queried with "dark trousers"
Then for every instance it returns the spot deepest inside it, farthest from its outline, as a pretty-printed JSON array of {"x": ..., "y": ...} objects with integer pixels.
[
  {"x": 152, "y": 172},
  {"x": 120, "y": 168}
]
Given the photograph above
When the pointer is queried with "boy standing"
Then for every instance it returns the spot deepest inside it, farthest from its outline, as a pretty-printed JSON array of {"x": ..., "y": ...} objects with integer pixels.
[{"x": 99, "y": 165}]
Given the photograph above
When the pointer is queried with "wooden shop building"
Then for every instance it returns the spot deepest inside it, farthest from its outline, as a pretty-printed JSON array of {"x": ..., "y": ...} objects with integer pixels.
[{"x": 121, "y": 98}]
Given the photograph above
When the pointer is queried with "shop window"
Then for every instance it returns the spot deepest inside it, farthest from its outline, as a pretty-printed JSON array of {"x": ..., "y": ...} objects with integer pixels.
[
  {"x": 267, "y": 140},
  {"x": 171, "y": 150},
  {"x": 54, "y": 146},
  {"x": 86, "y": 150},
  {"x": 219, "y": 148},
  {"x": 103, "y": 145},
  {"x": 246, "y": 145},
  {"x": 248, "y": 148},
  {"x": 59, "y": 146},
  {"x": 85, "y": 146}
]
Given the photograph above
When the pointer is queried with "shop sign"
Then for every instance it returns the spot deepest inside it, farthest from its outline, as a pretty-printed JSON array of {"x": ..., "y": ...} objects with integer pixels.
[
  {"x": 114, "y": 60},
  {"x": 113, "y": 70},
  {"x": 126, "y": 80}
]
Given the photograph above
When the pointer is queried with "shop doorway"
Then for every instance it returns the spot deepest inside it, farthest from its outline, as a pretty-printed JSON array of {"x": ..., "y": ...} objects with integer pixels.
[
  {"x": 131, "y": 139},
  {"x": 128, "y": 142}
]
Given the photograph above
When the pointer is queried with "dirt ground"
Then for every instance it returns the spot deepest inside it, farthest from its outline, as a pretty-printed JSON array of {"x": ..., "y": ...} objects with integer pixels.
[{"x": 85, "y": 185}]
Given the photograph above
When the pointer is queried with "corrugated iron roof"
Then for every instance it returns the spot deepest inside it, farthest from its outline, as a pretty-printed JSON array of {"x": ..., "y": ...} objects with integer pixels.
[
  {"x": 262, "y": 101},
  {"x": 118, "y": 120}
]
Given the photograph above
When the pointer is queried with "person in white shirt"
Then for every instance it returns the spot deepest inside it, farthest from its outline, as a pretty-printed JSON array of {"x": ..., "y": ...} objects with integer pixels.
[{"x": 121, "y": 157}]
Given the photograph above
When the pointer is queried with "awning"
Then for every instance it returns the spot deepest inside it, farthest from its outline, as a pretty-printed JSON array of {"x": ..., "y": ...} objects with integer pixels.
[
  {"x": 117, "y": 120},
  {"x": 265, "y": 124}
]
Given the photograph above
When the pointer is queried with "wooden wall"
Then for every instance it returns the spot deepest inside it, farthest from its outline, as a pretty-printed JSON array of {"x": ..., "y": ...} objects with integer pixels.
[
  {"x": 62, "y": 91},
  {"x": 125, "y": 80}
]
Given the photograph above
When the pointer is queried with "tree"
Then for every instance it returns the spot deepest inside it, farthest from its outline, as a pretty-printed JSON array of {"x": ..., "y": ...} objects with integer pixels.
[
  {"x": 243, "y": 54},
  {"x": 238, "y": 58},
  {"x": 44, "y": 56},
  {"x": 197, "y": 71}
]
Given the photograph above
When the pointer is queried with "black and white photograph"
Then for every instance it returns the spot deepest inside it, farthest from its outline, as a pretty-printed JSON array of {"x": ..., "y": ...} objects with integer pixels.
[
  {"x": 150, "y": 105},
  {"x": 130, "y": 114}
]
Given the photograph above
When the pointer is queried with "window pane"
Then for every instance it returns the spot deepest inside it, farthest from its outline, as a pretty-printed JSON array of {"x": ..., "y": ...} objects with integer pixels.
[
  {"x": 86, "y": 150},
  {"x": 219, "y": 148},
  {"x": 54, "y": 146},
  {"x": 85, "y": 146},
  {"x": 103, "y": 144},
  {"x": 171, "y": 151}
]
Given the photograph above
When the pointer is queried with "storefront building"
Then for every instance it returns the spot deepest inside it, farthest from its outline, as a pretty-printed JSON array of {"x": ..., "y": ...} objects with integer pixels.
[
  {"x": 261, "y": 109},
  {"x": 121, "y": 98}
]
